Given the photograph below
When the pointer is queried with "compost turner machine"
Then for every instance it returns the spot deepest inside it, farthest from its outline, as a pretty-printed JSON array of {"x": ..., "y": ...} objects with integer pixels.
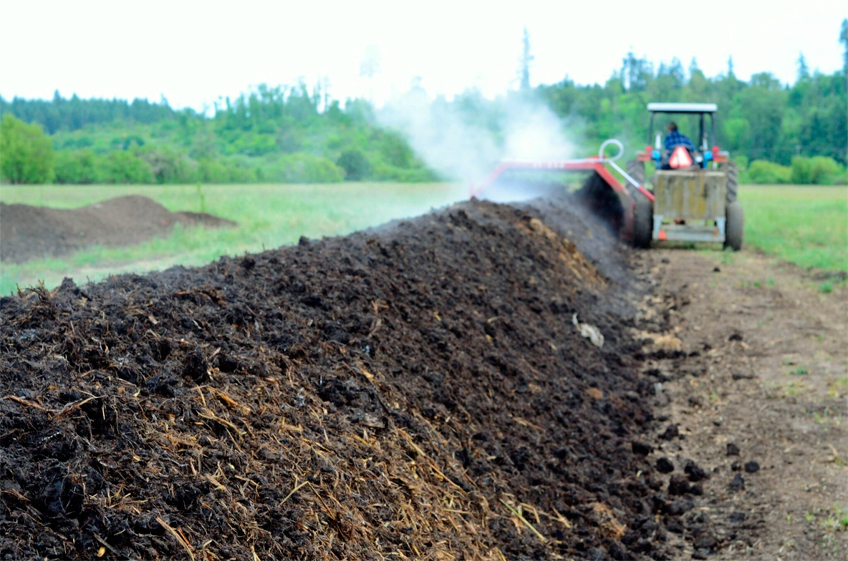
[
  {"x": 692, "y": 199},
  {"x": 621, "y": 203}
]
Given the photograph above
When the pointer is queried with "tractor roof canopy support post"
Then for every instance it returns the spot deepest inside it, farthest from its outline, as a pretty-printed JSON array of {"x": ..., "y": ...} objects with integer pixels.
[
  {"x": 651, "y": 130},
  {"x": 712, "y": 123}
]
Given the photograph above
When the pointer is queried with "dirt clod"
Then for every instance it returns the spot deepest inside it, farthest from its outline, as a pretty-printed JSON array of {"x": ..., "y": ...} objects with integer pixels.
[
  {"x": 738, "y": 483},
  {"x": 642, "y": 448},
  {"x": 680, "y": 506},
  {"x": 664, "y": 465},
  {"x": 671, "y": 432},
  {"x": 694, "y": 471},
  {"x": 678, "y": 485}
]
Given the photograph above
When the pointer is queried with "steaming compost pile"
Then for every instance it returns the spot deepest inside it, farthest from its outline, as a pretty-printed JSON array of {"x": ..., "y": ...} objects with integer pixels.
[
  {"x": 31, "y": 232},
  {"x": 436, "y": 389}
]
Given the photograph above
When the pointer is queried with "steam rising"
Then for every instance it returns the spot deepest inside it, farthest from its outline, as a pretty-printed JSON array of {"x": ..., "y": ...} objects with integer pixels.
[
  {"x": 466, "y": 139},
  {"x": 532, "y": 132}
]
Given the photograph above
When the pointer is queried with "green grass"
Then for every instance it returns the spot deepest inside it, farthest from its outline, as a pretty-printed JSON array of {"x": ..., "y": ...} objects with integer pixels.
[
  {"x": 268, "y": 215},
  {"x": 803, "y": 224}
]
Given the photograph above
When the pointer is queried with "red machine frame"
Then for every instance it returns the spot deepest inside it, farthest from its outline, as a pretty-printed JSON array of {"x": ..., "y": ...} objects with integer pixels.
[{"x": 593, "y": 163}]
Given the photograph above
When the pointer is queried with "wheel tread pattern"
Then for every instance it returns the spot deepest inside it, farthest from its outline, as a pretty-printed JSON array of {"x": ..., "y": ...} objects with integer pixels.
[{"x": 732, "y": 181}]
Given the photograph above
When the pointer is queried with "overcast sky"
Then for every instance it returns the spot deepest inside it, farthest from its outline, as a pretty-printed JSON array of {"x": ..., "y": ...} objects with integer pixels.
[{"x": 195, "y": 52}]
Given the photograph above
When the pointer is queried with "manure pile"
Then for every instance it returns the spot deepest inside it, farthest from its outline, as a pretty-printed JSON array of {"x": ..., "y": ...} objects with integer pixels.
[
  {"x": 417, "y": 392},
  {"x": 34, "y": 232}
]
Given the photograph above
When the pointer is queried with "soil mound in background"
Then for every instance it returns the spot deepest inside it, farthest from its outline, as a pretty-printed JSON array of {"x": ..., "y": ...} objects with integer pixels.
[
  {"x": 421, "y": 391},
  {"x": 30, "y": 232}
]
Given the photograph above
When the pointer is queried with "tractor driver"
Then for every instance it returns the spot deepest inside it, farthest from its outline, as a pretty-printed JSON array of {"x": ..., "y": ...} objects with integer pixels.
[{"x": 674, "y": 139}]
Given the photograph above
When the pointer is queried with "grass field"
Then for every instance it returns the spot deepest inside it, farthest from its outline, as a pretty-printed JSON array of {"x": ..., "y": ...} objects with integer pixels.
[
  {"x": 268, "y": 216},
  {"x": 804, "y": 225}
]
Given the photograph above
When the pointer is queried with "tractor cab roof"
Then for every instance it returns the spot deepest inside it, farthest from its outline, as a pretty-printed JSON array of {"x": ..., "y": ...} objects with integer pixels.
[{"x": 682, "y": 107}]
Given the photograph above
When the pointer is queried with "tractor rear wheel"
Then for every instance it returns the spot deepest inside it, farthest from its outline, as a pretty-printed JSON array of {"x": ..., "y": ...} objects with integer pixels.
[
  {"x": 643, "y": 221},
  {"x": 732, "y": 180},
  {"x": 734, "y": 227},
  {"x": 636, "y": 170}
]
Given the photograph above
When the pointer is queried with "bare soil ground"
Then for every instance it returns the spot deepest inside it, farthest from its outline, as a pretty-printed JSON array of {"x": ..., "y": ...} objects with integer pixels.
[
  {"x": 754, "y": 376},
  {"x": 30, "y": 232}
]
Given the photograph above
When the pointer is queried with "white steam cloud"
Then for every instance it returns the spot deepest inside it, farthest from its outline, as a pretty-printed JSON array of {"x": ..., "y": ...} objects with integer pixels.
[
  {"x": 532, "y": 132},
  {"x": 464, "y": 140}
]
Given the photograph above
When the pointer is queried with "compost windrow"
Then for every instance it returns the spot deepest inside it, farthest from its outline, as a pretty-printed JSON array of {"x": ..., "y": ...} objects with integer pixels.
[
  {"x": 35, "y": 232},
  {"x": 420, "y": 391}
]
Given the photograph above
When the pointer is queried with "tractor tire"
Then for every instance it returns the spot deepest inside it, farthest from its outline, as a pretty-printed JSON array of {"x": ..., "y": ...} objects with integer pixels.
[
  {"x": 636, "y": 170},
  {"x": 643, "y": 221},
  {"x": 734, "y": 227},
  {"x": 732, "y": 181}
]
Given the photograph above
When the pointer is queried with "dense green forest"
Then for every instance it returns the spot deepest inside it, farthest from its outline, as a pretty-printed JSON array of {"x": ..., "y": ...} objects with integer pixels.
[{"x": 779, "y": 133}]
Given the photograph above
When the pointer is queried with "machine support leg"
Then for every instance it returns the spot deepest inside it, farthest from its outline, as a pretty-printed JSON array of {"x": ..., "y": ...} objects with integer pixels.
[
  {"x": 657, "y": 226},
  {"x": 720, "y": 224}
]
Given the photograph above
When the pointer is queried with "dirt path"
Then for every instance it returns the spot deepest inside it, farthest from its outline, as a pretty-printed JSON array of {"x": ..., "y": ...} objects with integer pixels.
[{"x": 755, "y": 376}]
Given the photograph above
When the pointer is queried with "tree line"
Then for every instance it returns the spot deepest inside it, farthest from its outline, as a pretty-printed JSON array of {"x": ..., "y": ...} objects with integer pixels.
[
  {"x": 776, "y": 132},
  {"x": 760, "y": 119},
  {"x": 72, "y": 114},
  {"x": 279, "y": 134}
]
